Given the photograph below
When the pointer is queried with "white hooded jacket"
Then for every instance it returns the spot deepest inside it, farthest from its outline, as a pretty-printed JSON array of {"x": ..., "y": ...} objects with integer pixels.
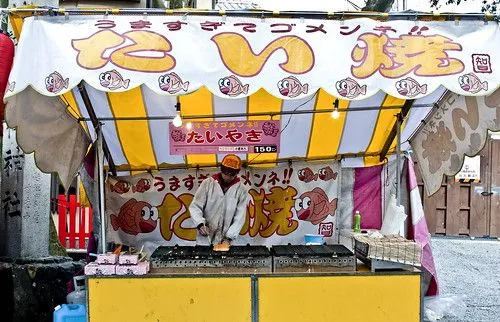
[{"x": 223, "y": 213}]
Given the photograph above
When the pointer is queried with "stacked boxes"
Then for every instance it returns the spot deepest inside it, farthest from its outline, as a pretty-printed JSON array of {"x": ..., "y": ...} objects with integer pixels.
[{"x": 112, "y": 264}]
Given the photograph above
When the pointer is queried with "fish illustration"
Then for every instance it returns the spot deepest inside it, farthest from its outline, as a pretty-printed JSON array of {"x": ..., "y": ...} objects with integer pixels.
[
  {"x": 55, "y": 82},
  {"x": 172, "y": 83},
  {"x": 142, "y": 185},
  {"x": 349, "y": 88},
  {"x": 307, "y": 175},
  {"x": 326, "y": 174},
  {"x": 472, "y": 84},
  {"x": 410, "y": 88},
  {"x": 10, "y": 86},
  {"x": 232, "y": 86},
  {"x": 121, "y": 187},
  {"x": 291, "y": 87},
  {"x": 135, "y": 217},
  {"x": 314, "y": 206},
  {"x": 113, "y": 80}
]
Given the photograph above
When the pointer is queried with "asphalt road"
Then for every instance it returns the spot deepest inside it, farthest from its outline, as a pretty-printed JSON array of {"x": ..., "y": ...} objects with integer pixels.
[{"x": 471, "y": 268}]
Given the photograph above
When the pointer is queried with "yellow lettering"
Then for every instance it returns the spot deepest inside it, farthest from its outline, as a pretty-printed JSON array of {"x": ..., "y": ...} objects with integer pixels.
[
  {"x": 239, "y": 58},
  {"x": 179, "y": 230},
  {"x": 144, "y": 41},
  {"x": 166, "y": 211},
  {"x": 396, "y": 57},
  {"x": 91, "y": 49}
]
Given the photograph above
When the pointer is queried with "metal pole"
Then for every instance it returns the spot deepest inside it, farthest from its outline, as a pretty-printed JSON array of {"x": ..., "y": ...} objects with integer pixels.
[
  {"x": 398, "y": 160},
  {"x": 404, "y": 5},
  {"x": 100, "y": 167}
]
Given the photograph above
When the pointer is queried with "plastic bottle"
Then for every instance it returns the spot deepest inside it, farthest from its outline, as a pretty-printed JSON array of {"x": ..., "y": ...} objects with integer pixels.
[
  {"x": 357, "y": 222},
  {"x": 70, "y": 312}
]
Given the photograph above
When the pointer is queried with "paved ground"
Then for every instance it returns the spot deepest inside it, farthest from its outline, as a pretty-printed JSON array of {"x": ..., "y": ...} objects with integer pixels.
[{"x": 471, "y": 268}]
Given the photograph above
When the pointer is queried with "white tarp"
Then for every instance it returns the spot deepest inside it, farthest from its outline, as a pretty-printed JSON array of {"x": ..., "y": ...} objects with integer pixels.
[{"x": 236, "y": 56}]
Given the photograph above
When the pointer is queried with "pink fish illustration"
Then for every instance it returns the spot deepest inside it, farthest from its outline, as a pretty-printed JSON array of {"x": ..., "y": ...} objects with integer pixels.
[
  {"x": 410, "y": 88},
  {"x": 292, "y": 87},
  {"x": 135, "y": 217},
  {"x": 172, "y": 83},
  {"x": 349, "y": 88},
  {"x": 472, "y": 84},
  {"x": 55, "y": 82},
  {"x": 307, "y": 175},
  {"x": 314, "y": 206},
  {"x": 10, "y": 86},
  {"x": 113, "y": 80},
  {"x": 326, "y": 174},
  {"x": 232, "y": 86}
]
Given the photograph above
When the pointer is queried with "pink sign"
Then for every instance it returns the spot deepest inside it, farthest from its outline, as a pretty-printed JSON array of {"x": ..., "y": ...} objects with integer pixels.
[{"x": 222, "y": 137}]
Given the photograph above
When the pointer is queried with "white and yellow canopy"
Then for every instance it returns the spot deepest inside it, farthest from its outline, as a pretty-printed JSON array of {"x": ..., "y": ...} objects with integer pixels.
[{"x": 112, "y": 68}]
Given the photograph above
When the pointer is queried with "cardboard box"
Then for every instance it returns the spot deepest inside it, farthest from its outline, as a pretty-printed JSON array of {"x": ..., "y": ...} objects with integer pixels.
[
  {"x": 139, "y": 269},
  {"x": 99, "y": 269},
  {"x": 108, "y": 258},
  {"x": 128, "y": 259}
]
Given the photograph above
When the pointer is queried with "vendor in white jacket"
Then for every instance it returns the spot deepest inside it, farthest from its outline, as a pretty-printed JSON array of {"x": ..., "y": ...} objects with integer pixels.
[{"x": 219, "y": 205}]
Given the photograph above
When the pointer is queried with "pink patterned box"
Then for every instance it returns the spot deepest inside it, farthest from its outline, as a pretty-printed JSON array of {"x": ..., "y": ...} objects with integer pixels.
[
  {"x": 141, "y": 268},
  {"x": 99, "y": 269},
  {"x": 128, "y": 259},
  {"x": 108, "y": 258}
]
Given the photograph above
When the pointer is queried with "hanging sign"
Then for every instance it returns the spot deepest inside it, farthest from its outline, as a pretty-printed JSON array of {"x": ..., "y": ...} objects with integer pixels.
[
  {"x": 471, "y": 170},
  {"x": 225, "y": 137}
]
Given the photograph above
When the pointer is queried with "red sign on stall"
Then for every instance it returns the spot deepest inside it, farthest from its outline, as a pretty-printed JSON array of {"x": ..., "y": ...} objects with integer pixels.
[{"x": 225, "y": 137}]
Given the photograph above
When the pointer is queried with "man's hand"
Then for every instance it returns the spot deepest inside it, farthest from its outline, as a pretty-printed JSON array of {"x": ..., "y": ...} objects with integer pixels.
[{"x": 203, "y": 229}]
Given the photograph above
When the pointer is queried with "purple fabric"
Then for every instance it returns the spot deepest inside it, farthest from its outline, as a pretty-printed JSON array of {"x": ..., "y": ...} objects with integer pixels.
[
  {"x": 367, "y": 196},
  {"x": 89, "y": 161}
]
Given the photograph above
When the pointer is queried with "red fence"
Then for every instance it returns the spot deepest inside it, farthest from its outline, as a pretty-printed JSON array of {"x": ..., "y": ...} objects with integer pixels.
[{"x": 74, "y": 223}]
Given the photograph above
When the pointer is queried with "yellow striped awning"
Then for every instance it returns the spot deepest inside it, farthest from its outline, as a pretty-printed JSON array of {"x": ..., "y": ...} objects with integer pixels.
[{"x": 135, "y": 125}]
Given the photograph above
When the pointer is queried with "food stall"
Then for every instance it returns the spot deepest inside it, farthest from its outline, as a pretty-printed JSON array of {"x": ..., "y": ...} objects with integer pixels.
[{"x": 322, "y": 107}]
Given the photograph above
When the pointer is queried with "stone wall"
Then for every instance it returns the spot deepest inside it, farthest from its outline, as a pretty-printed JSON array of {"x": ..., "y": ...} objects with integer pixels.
[{"x": 31, "y": 289}]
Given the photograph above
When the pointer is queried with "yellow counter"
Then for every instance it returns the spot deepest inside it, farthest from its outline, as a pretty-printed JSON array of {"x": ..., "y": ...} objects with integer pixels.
[{"x": 354, "y": 296}]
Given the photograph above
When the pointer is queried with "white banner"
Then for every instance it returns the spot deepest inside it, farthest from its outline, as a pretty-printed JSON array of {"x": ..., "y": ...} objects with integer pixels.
[
  {"x": 286, "y": 203},
  {"x": 458, "y": 127},
  {"x": 236, "y": 56}
]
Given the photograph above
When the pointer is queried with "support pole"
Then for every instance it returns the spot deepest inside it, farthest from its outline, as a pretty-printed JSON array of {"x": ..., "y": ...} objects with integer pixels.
[
  {"x": 398, "y": 158},
  {"x": 100, "y": 174}
]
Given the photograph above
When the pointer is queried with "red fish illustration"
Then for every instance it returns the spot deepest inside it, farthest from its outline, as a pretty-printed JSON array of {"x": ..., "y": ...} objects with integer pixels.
[
  {"x": 113, "y": 80},
  {"x": 172, "y": 83},
  {"x": 55, "y": 82},
  {"x": 307, "y": 175},
  {"x": 292, "y": 87},
  {"x": 410, "y": 88},
  {"x": 232, "y": 86},
  {"x": 121, "y": 187},
  {"x": 135, "y": 217},
  {"x": 472, "y": 84},
  {"x": 314, "y": 206},
  {"x": 142, "y": 185},
  {"x": 326, "y": 174}
]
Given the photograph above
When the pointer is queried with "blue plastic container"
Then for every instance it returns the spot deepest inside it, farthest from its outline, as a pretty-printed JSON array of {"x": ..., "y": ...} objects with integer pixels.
[
  {"x": 70, "y": 313},
  {"x": 311, "y": 239}
]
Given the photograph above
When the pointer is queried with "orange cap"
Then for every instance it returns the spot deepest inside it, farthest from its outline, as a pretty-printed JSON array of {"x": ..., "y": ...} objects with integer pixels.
[{"x": 232, "y": 161}]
